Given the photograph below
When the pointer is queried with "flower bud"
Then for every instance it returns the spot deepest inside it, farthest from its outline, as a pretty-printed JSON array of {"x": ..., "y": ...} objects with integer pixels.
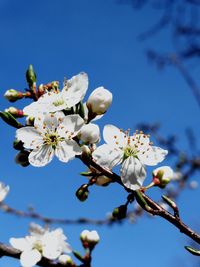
[
  {"x": 22, "y": 158},
  {"x": 162, "y": 176},
  {"x": 65, "y": 260},
  {"x": 30, "y": 76},
  {"x": 82, "y": 193},
  {"x": 119, "y": 213},
  {"x": 99, "y": 101},
  {"x": 3, "y": 191},
  {"x": 17, "y": 113},
  {"x": 89, "y": 238},
  {"x": 89, "y": 133},
  {"x": 12, "y": 95},
  {"x": 30, "y": 121},
  {"x": 18, "y": 145}
]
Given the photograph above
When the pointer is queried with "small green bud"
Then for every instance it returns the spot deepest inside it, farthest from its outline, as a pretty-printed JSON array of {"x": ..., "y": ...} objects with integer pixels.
[
  {"x": 17, "y": 113},
  {"x": 120, "y": 212},
  {"x": 18, "y": 145},
  {"x": 30, "y": 76},
  {"x": 22, "y": 158},
  {"x": 12, "y": 95},
  {"x": 162, "y": 176},
  {"x": 82, "y": 193}
]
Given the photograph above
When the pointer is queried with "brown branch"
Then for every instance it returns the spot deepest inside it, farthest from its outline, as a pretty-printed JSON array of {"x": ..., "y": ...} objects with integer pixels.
[{"x": 155, "y": 209}]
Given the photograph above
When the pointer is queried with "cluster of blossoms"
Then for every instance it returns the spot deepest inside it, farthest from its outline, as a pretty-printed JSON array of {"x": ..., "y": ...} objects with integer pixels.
[
  {"x": 60, "y": 124},
  {"x": 50, "y": 244}
]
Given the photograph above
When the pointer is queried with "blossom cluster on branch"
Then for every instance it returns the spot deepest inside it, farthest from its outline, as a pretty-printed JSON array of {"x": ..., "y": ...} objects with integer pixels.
[{"x": 59, "y": 123}]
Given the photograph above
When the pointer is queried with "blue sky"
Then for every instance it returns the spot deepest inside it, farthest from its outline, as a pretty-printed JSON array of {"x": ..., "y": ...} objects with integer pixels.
[{"x": 62, "y": 38}]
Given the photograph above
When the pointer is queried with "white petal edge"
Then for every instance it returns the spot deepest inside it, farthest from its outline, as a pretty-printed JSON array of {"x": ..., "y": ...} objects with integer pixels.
[
  {"x": 113, "y": 136},
  {"x": 67, "y": 150},
  {"x": 153, "y": 156},
  {"x": 41, "y": 156}
]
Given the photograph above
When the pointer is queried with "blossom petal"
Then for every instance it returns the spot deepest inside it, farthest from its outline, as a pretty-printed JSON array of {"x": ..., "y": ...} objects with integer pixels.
[
  {"x": 29, "y": 136},
  {"x": 114, "y": 136},
  {"x": 20, "y": 243},
  {"x": 41, "y": 156},
  {"x": 107, "y": 156},
  {"x": 153, "y": 156},
  {"x": 75, "y": 89},
  {"x": 29, "y": 258},
  {"x": 67, "y": 150},
  {"x": 71, "y": 123},
  {"x": 133, "y": 173}
]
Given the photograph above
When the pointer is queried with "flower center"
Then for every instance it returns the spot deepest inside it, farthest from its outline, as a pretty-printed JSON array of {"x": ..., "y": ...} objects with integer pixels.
[
  {"x": 52, "y": 139},
  {"x": 130, "y": 151},
  {"x": 38, "y": 246}
]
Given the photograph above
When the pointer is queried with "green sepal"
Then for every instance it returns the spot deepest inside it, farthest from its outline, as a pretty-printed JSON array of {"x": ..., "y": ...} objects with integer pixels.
[
  {"x": 193, "y": 251},
  {"x": 78, "y": 256},
  {"x": 9, "y": 119}
]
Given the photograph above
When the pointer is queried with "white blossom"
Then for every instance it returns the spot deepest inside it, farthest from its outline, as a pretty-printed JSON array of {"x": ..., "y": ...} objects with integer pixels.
[
  {"x": 99, "y": 101},
  {"x": 43, "y": 243},
  {"x": 89, "y": 133},
  {"x": 90, "y": 236},
  {"x": 3, "y": 191},
  {"x": 51, "y": 135},
  {"x": 72, "y": 93},
  {"x": 133, "y": 152}
]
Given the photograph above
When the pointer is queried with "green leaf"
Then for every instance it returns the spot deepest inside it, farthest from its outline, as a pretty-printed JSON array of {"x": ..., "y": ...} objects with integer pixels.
[
  {"x": 141, "y": 201},
  {"x": 30, "y": 76},
  {"x": 193, "y": 251},
  {"x": 9, "y": 119}
]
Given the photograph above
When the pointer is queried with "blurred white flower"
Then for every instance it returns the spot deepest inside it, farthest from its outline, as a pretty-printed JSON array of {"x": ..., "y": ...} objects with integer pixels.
[
  {"x": 3, "y": 191},
  {"x": 89, "y": 133},
  {"x": 193, "y": 184},
  {"x": 43, "y": 243},
  {"x": 133, "y": 152},
  {"x": 51, "y": 135},
  {"x": 72, "y": 93},
  {"x": 99, "y": 101},
  {"x": 177, "y": 176}
]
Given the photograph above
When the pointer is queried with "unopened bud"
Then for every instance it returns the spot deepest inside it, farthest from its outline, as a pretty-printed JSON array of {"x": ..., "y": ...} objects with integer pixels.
[
  {"x": 22, "y": 158},
  {"x": 162, "y": 176},
  {"x": 86, "y": 152},
  {"x": 120, "y": 212},
  {"x": 12, "y": 95},
  {"x": 89, "y": 133},
  {"x": 89, "y": 238},
  {"x": 65, "y": 260},
  {"x": 99, "y": 101},
  {"x": 30, "y": 76},
  {"x": 17, "y": 113},
  {"x": 30, "y": 121},
  {"x": 41, "y": 89},
  {"x": 82, "y": 193}
]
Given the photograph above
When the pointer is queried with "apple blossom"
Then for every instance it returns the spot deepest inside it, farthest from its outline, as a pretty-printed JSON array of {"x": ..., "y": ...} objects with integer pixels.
[
  {"x": 89, "y": 133},
  {"x": 3, "y": 191},
  {"x": 51, "y": 135},
  {"x": 42, "y": 243},
  {"x": 99, "y": 101},
  {"x": 72, "y": 93},
  {"x": 133, "y": 152}
]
